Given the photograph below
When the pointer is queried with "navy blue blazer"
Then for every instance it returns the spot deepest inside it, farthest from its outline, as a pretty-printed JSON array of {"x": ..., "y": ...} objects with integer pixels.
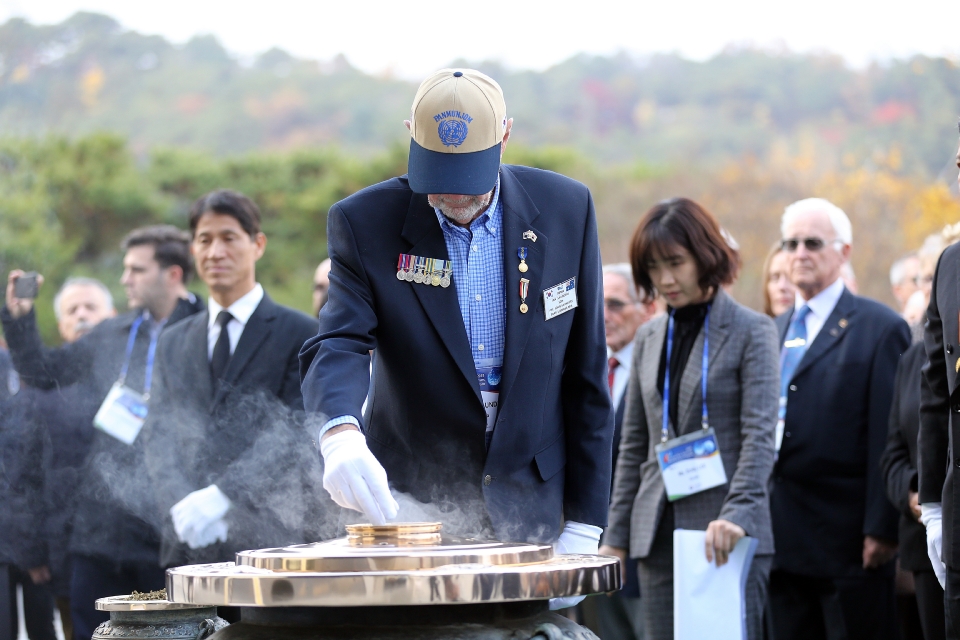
[
  {"x": 828, "y": 491},
  {"x": 550, "y": 455}
]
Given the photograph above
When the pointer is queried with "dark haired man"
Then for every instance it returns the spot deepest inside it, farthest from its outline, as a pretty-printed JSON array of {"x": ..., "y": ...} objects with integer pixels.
[
  {"x": 114, "y": 545},
  {"x": 227, "y": 395},
  {"x": 479, "y": 286}
]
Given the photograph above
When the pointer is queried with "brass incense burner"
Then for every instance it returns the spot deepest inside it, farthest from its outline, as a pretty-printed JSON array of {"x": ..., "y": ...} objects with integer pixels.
[
  {"x": 393, "y": 565},
  {"x": 404, "y": 581}
]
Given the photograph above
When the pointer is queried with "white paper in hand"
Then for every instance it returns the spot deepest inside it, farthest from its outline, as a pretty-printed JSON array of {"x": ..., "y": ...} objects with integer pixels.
[{"x": 708, "y": 601}]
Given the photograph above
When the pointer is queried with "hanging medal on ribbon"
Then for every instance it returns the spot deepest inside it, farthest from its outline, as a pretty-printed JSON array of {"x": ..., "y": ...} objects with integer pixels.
[
  {"x": 418, "y": 270},
  {"x": 522, "y": 254},
  {"x": 447, "y": 272},
  {"x": 524, "y": 290}
]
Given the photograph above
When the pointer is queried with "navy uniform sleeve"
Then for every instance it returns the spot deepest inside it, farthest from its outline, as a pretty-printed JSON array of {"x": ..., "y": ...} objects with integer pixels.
[
  {"x": 588, "y": 416},
  {"x": 335, "y": 365}
]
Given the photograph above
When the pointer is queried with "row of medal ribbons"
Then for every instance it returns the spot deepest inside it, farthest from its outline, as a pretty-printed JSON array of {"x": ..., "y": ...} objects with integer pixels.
[{"x": 430, "y": 271}]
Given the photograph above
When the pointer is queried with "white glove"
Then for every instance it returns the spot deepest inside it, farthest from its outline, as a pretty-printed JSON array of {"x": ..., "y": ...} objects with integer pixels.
[
  {"x": 576, "y": 537},
  {"x": 213, "y": 532},
  {"x": 354, "y": 478},
  {"x": 196, "y": 512},
  {"x": 931, "y": 515}
]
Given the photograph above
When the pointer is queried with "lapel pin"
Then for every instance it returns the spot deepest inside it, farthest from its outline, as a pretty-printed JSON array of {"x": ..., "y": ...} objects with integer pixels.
[
  {"x": 834, "y": 332},
  {"x": 958, "y": 366},
  {"x": 522, "y": 254},
  {"x": 529, "y": 235},
  {"x": 843, "y": 323},
  {"x": 524, "y": 289}
]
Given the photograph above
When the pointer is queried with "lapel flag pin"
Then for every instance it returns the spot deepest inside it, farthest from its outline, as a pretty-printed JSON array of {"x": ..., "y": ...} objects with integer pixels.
[{"x": 529, "y": 235}]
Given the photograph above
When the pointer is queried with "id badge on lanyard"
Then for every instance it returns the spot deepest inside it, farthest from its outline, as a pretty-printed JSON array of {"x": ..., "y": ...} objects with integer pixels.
[
  {"x": 691, "y": 463},
  {"x": 489, "y": 376},
  {"x": 124, "y": 411}
]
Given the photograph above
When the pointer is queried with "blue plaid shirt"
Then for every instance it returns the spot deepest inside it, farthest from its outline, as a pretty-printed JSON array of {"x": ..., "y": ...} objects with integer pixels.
[{"x": 477, "y": 256}]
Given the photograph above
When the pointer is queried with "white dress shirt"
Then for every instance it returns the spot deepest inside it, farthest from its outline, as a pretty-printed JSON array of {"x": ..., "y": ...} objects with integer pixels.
[
  {"x": 241, "y": 310},
  {"x": 821, "y": 306},
  {"x": 621, "y": 375}
]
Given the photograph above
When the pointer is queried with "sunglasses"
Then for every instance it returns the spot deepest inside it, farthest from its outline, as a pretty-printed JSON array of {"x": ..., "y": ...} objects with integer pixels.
[{"x": 812, "y": 244}]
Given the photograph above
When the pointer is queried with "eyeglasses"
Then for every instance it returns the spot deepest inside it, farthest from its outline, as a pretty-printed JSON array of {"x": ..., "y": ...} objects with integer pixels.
[
  {"x": 615, "y": 306},
  {"x": 812, "y": 244},
  {"x": 923, "y": 281}
]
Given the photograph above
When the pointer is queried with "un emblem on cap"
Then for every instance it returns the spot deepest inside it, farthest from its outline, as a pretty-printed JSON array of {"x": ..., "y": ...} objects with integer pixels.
[{"x": 452, "y": 132}]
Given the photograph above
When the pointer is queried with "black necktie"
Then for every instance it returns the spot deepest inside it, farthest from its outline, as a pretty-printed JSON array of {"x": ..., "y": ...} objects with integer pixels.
[{"x": 221, "y": 350}]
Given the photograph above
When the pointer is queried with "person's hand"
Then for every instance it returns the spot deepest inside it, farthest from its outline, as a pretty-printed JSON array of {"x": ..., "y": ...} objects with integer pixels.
[
  {"x": 18, "y": 307},
  {"x": 576, "y": 537},
  {"x": 931, "y": 516},
  {"x": 915, "y": 505},
  {"x": 197, "y": 511},
  {"x": 39, "y": 575},
  {"x": 722, "y": 537},
  {"x": 877, "y": 552},
  {"x": 354, "y": 478}
]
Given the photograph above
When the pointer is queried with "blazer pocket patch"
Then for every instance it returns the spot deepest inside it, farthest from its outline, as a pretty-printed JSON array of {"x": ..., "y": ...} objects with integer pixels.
[{"x": 551, "y": 460}]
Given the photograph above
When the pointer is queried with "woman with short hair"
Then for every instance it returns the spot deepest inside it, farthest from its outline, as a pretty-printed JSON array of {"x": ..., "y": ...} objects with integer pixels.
[{"x": 678, "y": 252}]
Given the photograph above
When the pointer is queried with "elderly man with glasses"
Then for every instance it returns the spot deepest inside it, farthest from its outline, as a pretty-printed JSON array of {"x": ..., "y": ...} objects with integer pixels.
[{"x": 835, "y": 530}]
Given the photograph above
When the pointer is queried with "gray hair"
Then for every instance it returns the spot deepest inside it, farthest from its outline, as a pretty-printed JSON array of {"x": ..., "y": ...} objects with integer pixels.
[
  {"x": 898, "y": 270},
  {"x": 81, "y": 281},
  {"x": 838, "y": 219},
  {"x": 625, "y": 271}
]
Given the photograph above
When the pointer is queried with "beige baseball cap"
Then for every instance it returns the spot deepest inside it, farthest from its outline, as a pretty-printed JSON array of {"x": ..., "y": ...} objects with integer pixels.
[{"x": 459, "y": 118}]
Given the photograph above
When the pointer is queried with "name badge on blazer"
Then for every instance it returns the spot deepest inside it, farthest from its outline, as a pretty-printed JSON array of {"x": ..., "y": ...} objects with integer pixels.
[
  {"x": 690, "y": 464},
  {"x": 560, "y": 298}
]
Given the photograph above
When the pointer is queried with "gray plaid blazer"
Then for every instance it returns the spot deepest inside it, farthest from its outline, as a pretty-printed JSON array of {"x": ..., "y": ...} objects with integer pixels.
[{"x": 743, "y": 388}]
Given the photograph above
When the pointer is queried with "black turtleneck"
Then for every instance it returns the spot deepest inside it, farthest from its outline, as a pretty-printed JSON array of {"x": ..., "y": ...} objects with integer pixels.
[{"x": 687, "y": 323}]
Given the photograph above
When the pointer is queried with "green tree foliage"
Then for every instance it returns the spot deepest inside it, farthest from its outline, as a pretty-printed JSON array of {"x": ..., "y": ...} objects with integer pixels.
[
  {"x": 65, "y": 205},
  {"x": 88, "y": 74}
]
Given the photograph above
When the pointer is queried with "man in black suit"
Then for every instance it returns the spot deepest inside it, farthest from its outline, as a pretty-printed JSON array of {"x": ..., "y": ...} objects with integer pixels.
[
  {"x": 479, "y": 286},
  {"x": 834, "y": 528},
  {"x": 222, "y": 436},
  {"x": 112, "y": 361},
  {"x": 938, "y": 455}
]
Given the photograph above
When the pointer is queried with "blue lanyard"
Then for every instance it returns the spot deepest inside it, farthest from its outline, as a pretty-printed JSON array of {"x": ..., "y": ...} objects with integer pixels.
[
  {"x": 704, "y": 366},
  {"x": 151, "y": 354}
]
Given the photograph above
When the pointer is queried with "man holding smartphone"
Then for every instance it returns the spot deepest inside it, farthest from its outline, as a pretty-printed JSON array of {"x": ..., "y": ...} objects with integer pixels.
[{"x": 115, "y": 542}]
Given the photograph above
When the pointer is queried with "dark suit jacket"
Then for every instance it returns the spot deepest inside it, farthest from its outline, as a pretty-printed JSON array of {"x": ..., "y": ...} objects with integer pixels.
[
  {"x": 940, "y": 402},
  {"x": 22, "y": 515},
  {"x": 110, "y": 487},
  {"x": 742, "y": 389},
  {"x": 828, "y": 492},
  {"x": 550, "y": 453},
  {"x": 899, "y": 460},
  {"x": 246, "y": 436}
]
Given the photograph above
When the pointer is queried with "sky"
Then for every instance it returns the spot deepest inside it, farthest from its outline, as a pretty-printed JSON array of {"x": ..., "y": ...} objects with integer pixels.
[{"x": 411, "y": 38}]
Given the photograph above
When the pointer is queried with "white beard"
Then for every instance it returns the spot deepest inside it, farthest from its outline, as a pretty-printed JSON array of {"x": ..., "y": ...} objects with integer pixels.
[{"x": 461, "y": 211}]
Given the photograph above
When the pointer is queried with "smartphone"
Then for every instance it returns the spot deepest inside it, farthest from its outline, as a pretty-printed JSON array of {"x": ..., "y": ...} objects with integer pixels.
[{"x": 26, "y": 286}]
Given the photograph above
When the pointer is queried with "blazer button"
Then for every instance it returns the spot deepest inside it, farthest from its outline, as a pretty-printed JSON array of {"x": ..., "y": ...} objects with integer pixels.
[
  {"x": 487, "y": 480},
  {"x": 949, "y": 348},
  {"x": 786, "y": 435},
  {"x": 793, "y": 387},
  {"x": 956, "y": 408},
  {"x": 957, "y": 460}
]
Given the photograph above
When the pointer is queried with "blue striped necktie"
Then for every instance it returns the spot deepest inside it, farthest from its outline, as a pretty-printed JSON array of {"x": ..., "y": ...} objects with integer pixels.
[{"x": 793, "y": 348}]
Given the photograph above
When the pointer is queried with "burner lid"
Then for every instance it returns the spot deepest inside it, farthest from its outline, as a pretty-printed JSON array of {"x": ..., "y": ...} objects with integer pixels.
[
  {"x": 400, "y": 547},
  {"x": 401, "y": 564}
]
